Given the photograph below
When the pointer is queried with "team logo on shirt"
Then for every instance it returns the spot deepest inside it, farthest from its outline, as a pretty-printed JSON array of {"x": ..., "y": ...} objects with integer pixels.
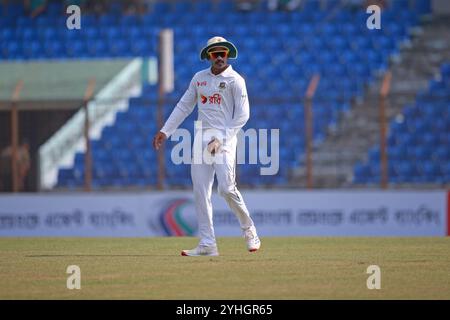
[
  {"x": 214, "y": 99},
  {"x": 222, "y": 85}
]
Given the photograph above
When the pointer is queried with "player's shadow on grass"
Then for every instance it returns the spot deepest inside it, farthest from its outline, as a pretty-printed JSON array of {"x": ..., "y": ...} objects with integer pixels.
[{"x": 95, "y": 255}]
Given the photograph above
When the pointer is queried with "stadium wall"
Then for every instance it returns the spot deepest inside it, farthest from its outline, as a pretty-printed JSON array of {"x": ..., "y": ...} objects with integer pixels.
[
  {"x": 448, "y": 213},
  {"x": 276, "y": 213}
]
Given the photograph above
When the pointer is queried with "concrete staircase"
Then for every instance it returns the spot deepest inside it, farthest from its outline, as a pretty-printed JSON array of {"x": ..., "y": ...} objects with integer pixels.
[{"x": 358, "y": 130}]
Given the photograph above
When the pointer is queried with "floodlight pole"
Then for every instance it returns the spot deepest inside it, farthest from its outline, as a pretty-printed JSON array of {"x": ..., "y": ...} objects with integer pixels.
[
  {"x": 160, "y": 116},
  {"x": 88, "y": 155},
  {"x": 161, "y": 153},
  {"x": 384, "y": 91},
  {"x": 309, "y": 128},
  {"x": 15, "y": 136},
  {"x": 166, "y": 84}
]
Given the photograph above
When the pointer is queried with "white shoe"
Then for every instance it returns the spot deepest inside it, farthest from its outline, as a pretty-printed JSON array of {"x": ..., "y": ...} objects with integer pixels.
[
  {"x": 252, "y": 239},
  {"x": 201, "y": 251}
]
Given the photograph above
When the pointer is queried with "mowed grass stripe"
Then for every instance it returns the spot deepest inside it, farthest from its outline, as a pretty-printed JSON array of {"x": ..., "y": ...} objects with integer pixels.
[{"x": 285, "y": 268}]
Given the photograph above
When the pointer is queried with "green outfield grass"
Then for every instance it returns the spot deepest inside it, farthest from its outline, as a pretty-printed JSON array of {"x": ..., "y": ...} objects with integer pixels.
[{"x": 284, "y": 268}]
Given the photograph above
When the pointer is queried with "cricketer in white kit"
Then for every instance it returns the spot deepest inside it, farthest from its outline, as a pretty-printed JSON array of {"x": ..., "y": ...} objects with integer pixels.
[{"x": 221, "y": 96}]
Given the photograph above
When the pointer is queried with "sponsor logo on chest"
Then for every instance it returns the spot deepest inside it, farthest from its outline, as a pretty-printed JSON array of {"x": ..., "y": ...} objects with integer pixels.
[
  {"x": 214, "y": 99},
  {"x": 211, "y": 97}
]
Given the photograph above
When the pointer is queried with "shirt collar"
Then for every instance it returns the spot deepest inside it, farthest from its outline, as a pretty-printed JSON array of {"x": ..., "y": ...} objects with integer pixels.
[{"x": 224, "y": 73}]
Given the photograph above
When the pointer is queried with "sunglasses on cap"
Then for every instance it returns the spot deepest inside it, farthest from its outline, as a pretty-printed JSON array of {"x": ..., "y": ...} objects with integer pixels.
[{"x": 216, "y": 54}]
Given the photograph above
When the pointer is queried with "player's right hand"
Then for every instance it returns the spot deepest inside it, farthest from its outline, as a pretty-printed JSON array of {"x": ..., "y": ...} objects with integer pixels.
[
  {"x": 158, "y": 140},
  {"x": 214, "y": 146}
]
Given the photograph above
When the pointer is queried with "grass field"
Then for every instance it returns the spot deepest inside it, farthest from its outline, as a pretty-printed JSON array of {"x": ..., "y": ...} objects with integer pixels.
[{"x": 284, "y": 268}]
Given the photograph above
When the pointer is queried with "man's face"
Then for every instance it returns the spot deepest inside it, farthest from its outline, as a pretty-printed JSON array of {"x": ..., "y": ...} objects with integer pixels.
[{"x": 218, "y": 57}]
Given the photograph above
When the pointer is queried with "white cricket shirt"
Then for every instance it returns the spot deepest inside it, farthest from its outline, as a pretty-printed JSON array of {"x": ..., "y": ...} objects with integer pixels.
[{"x": 221, "y": 99}]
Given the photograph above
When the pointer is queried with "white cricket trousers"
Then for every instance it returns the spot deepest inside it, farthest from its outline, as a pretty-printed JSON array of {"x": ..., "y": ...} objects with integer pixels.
[{"x": 202, "y": 181}]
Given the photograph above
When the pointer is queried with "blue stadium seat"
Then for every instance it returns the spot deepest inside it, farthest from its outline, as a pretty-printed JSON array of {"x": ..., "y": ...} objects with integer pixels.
[{"x": 307, "y": 44}]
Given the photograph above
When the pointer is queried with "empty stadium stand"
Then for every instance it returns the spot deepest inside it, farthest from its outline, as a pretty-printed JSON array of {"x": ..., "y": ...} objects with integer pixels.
[
  {"x": 419, "y": 60},
  {"x": 418, "y": 144},
  {"x": 279, "y": 52}
]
